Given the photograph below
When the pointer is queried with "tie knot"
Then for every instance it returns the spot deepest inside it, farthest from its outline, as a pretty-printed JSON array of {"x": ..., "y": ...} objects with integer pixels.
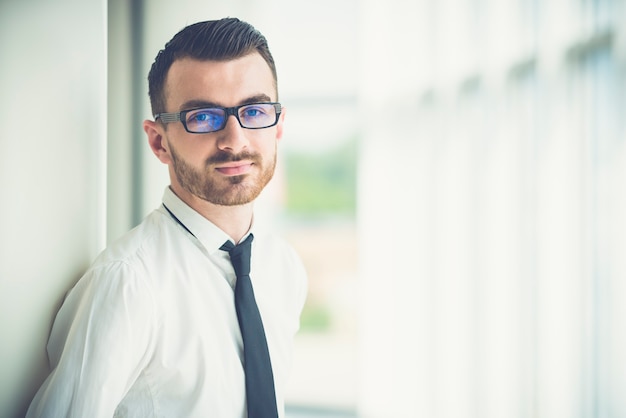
[{"x": 240, "y": 255}]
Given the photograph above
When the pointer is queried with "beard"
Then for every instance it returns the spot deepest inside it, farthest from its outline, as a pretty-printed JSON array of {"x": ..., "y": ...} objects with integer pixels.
[{"x": 221, "y": 190}]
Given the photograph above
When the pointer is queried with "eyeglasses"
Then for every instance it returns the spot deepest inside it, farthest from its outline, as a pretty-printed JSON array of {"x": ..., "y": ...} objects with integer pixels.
[{"x": 211, "y": 119}]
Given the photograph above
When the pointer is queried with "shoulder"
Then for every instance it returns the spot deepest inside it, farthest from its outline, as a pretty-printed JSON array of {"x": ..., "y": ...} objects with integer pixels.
[
  {"x": 136, "y": 242},
  {"x": 123, "y": 272},
  {"x": 148, "y": 250}
]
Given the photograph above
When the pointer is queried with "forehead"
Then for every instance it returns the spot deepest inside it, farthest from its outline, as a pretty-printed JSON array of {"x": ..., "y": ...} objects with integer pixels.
[{"x": 224, "y": 83}]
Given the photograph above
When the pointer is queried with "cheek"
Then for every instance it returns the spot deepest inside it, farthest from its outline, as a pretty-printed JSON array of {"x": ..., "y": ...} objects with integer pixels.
[
  {"x": 194, "y": 151},
  {"x": 268, "y": 149}
]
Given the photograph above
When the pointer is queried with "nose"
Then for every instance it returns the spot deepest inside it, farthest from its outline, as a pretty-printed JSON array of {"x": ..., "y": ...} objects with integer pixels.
[{"x": 232, "y": 138}]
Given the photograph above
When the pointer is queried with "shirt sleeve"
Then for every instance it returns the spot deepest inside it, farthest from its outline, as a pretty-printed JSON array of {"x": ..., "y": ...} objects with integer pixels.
[{"x": 101, "y": 339}]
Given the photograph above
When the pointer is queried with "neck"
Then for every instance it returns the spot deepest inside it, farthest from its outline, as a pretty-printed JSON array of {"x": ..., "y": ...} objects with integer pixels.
[{"x": 235, "y": 221}]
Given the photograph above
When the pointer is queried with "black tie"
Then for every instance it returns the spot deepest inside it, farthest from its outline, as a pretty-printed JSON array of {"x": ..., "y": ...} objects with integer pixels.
[{"x": 260, "y": 395}]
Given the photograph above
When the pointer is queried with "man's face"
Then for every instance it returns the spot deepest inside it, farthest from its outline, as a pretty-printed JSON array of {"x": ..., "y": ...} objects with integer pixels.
[{"x": 231, "y": 166}]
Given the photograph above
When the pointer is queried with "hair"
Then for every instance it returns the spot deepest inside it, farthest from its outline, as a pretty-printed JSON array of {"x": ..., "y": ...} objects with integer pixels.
[{"x": 214, "y": 40}]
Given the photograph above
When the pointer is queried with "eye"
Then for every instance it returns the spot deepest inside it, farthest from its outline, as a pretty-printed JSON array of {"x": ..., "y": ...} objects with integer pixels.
[
  {"x": 253, "y": 112},
  {"x": 203, "y": 117},
  {"x": 205, "y": 120}
]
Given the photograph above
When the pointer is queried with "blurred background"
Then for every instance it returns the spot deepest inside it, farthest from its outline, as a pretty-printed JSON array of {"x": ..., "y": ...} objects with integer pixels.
[{"x": 453, "y": 175}]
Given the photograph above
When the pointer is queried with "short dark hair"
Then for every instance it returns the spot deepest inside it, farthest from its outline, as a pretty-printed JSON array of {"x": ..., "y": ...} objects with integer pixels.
[{"x": 214, "y": 40}]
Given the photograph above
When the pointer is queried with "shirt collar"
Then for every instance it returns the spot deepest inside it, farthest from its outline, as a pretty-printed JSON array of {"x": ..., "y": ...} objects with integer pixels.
[{"x": 205, "y": 231}]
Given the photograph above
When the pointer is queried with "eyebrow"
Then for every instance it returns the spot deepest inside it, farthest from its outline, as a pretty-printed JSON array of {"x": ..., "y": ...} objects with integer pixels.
[{"x": 197, "y": 103}]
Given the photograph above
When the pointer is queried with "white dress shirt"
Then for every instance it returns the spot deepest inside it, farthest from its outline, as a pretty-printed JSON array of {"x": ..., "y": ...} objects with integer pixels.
[{"x": 151, "y": 330}]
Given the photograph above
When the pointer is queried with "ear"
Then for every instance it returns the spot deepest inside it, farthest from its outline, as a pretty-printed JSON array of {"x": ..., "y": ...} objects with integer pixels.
[
  {"x": 157, "y": 141},
  {"x": 279, "y": 125}
]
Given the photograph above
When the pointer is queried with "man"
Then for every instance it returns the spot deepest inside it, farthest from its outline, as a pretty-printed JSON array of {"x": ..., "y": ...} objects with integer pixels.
[{"x": 153, "y": 328}]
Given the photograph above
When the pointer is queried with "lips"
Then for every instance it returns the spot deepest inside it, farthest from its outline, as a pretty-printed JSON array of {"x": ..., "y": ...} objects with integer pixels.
[{"x": 235, "y": 169}]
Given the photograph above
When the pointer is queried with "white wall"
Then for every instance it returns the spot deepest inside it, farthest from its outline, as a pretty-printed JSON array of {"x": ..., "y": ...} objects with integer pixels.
[
  {"x": 124, "y": 134},
  {"x": 52, "y": 172}
]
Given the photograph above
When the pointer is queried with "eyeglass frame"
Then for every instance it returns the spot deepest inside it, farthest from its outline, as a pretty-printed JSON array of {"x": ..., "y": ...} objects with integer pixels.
[{"x": 170, "y": 117}]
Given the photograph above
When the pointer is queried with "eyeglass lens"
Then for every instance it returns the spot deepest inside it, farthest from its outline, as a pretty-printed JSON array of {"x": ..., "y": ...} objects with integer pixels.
[{"x": 260, "y": 115}]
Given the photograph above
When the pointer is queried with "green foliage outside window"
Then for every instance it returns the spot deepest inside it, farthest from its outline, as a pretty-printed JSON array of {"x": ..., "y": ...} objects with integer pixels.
[{"x": 322, "y": 183}]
